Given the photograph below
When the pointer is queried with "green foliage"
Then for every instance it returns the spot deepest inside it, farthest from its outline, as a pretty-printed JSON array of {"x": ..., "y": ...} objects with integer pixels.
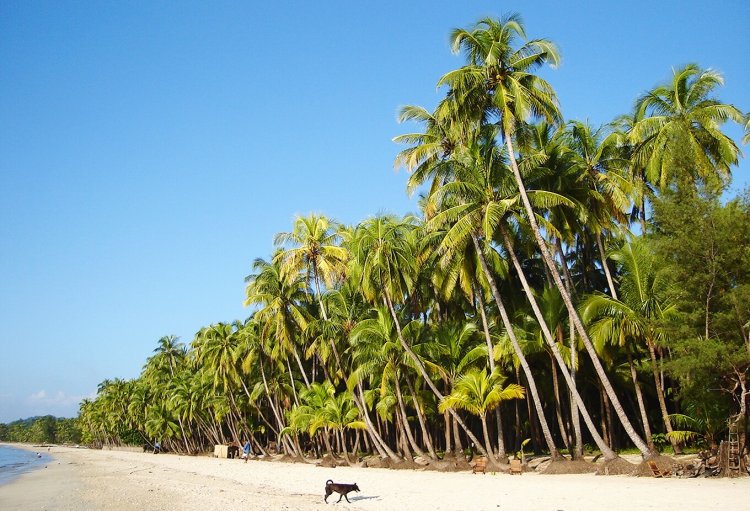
[
  {"x": 705, "y": 248},
  {"x": 42, "y": 430}
]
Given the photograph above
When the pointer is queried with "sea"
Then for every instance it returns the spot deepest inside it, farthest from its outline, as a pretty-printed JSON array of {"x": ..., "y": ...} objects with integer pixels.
[{"x": 14, "y": 461}]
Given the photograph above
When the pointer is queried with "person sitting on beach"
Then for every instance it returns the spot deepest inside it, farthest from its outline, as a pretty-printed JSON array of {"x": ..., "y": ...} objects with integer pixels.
[
  {"x": 246, "y": 450},
  {"x": 157, "y": 447}
]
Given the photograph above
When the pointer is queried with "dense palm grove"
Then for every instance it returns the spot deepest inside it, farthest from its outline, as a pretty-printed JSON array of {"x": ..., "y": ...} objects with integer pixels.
[{"x": 573, "y": 286}]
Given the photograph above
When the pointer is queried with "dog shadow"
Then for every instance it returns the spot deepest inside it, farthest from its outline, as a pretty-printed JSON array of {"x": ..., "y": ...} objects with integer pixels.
[{"x": 365, "y": 497}]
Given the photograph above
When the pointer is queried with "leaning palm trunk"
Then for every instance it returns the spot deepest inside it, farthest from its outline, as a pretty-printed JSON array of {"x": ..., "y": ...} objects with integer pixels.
[
  {"x": 605, "y": 266},
  {"x": 380, "y": 445},
  {"x": 426, "y": 376},
  {"x": 558, "y": 406},
  {"x": 641, "y": 405},
  {"x": 420, "y": 417},
  {"x": 517, "y": 347},
  {"x": 574, "y": 412},
  {"x": 606, "y": 451},
  {"x": 405, "y": 421},
  {"x": 486, "y": 434},
  {"x": 662, "y": 401},
  {"x": 491, "y": 360},
  {"x": 627, "y": 426}
]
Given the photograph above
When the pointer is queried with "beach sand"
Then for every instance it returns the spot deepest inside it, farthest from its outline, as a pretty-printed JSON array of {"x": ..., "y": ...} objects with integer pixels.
[{"x": 114, "y": 480}]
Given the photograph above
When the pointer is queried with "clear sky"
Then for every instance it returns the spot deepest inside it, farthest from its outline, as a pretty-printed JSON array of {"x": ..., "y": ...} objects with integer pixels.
[{"x": 149, "y": 151}]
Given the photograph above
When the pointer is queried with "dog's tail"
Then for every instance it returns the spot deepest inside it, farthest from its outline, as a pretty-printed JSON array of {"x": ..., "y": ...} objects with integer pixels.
[{"x": 329, "y": 482}]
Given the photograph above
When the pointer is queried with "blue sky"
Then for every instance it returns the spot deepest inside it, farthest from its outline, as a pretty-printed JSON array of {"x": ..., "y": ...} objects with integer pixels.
[{"x": 149, "y": 151}]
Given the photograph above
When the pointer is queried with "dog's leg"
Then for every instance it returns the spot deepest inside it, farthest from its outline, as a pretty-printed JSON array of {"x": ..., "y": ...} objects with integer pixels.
[
  {"x": 347, "y": 498},
  {"x": 340, "y": 497}
]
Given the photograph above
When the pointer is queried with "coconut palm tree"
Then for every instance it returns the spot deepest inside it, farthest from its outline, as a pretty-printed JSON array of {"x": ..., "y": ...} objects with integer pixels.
[
  {"x": 680, "y": 129},
  {"x": 313, "y": 247},
  {"x": 633, "y": 320},
  {"x": 384, "y": 250},
  {"x": 478, "y": 393},
  {"x": 498, "y": 83},
  {"x": 279, "y": 293}
]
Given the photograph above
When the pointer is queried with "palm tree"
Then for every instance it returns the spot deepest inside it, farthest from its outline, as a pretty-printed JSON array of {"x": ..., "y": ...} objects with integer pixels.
[
  {"x": 478, "y": 393},
  {"x": 280, "y": 294},
  {"x": 497, "y": 82},
  {"x": 378, "y": 352},
  {"x": 680, "y": 128},
  {"x": 633, "y": 320},
  {"x": 473, "y": 203},
  {"x": 312, "y": 246},
  {"x": 384, "y": 250}
]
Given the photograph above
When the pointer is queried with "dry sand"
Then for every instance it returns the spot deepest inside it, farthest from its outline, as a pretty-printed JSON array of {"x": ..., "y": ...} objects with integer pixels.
[{"x": 112, "y": 480}]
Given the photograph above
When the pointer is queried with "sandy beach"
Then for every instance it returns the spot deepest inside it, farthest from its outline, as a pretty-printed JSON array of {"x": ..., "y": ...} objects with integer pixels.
[{"x": 114, "y": 480}]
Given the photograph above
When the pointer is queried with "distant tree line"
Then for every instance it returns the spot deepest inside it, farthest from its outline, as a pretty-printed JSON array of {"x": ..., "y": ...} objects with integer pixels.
[{"x": 42, "y": 430}]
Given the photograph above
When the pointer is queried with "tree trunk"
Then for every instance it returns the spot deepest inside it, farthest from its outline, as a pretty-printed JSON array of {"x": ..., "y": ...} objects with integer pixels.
[
  {"x": 487, "y": 443},
  {"x": 558, "y": 405},
  {"x": 662, "y": 401},
  {"x": 503, "y": 457},
  {"x": 423, "y": 371},
  {"x": 517, "y": 348},
  {"x": 301, "y": 368},
  {"x": 547, "y": 334},
  {"x": 605, "y": 266},
  {"x": 405, "y": 419},
  {"x": 641, "y": 405},
  {"x": 632, "y": 434},
  {"x": 422, "y": 422}
]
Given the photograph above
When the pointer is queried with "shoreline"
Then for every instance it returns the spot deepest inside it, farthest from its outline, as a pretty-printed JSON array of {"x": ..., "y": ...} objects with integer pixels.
[{"x": 121, "y": 480}]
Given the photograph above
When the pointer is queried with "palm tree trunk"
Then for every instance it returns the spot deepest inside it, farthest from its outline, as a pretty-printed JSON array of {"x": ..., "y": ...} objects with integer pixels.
[
  {"x": 487, "y": 443},
  {"x": 641, "y": 405},
  {"x": 380, "y": 445},
  {"x": 558, "y": 405},
  {"x": 447, "y": 431},
  {"x": 422, "y": 423},
  {"x": 517, "y": 347},
  {"x": 491, "y": 361},
  {"x": 301, "y": 367},
  {"x": 605, "y": 265},
  {"x": 423, "y": 372},
  {"x": 660, "y": 396},
  {"x": 574, "y": 411},
  {"x": 632, "y": 434},
  {"x": 608, "y": 453},
  {"x": 405, "y": 420}
]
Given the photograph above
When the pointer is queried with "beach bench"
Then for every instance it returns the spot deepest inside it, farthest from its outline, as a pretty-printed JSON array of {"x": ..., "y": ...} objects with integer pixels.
[
  {"x": 515, "y": 467},
  {"x": 480, "y": 465},
  {"x": 656, "y": 472}
]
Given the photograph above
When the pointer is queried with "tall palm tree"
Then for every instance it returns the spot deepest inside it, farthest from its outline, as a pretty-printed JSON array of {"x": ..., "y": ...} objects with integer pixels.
[
  {"x": 681, "y": 124},
  {"x": 313, "y": 246},
  {"x": 384, "y": 249},
  {"x": 498, "y": 82},
  {"x": 279, "y": 293},
  {"x": 473, "y": 204},
  {"x": 634, "y": 318}
]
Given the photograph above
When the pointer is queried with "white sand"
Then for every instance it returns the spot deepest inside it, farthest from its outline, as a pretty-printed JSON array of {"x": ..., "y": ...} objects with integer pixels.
[{"x": 111, "y": 480}]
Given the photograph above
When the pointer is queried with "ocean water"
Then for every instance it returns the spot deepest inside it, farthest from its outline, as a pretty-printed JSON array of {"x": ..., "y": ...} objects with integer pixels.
[{"x": 14, "y": 462}]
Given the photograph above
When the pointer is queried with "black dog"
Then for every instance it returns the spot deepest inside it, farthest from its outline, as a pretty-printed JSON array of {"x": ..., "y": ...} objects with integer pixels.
[{"x": 340, "y": 488}]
